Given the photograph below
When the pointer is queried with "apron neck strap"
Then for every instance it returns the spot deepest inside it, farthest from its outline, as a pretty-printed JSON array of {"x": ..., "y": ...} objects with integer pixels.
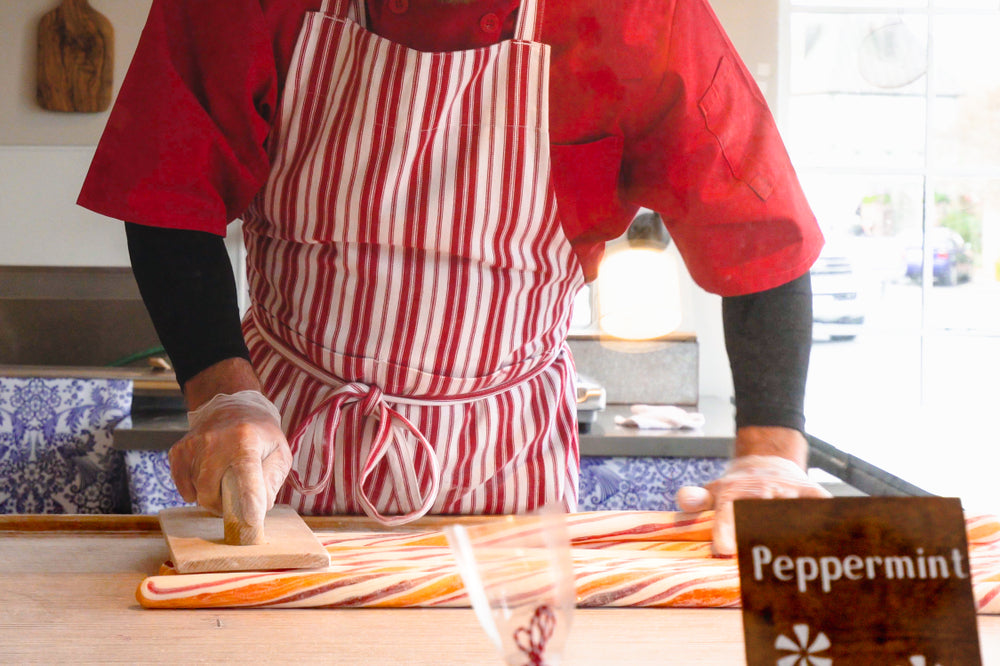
[
  {"x": 353, "y": 10},
  {"x": 529, "y": 16},
  {"x": 529, "y": 20}
]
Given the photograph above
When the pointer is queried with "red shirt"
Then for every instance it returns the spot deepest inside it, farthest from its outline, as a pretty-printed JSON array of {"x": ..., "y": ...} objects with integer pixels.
[{"x": 650, "y": 107}]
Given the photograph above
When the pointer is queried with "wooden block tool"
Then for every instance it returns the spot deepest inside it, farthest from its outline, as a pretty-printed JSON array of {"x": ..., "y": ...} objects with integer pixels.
[{"x": 201, "y": 542}]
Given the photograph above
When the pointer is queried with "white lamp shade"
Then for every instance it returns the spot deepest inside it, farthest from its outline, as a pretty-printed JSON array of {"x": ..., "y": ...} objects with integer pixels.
[{"x": 638, "y": 293}]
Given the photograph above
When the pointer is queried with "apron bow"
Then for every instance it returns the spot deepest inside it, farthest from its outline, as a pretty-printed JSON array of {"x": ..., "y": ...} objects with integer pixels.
[{"x": 389, "y": 445}]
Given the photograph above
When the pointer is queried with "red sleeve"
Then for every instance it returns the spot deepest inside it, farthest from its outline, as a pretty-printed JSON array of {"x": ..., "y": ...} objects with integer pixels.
[
  {"x": 184, "y": 145},
  {"x": 704, "y": 152}
]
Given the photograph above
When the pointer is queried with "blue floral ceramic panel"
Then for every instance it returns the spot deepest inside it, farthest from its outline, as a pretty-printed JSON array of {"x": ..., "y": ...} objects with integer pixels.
[
  {"x": 641, "y": 484},
  {"x": 56, "y": 452},
  {"x": 611, "y": 484},
  {"x": 149, "y": 483}
]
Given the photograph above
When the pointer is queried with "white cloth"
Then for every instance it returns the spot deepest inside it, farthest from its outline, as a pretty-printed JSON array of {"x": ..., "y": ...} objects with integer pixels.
[{"x": 661, "y": 417}]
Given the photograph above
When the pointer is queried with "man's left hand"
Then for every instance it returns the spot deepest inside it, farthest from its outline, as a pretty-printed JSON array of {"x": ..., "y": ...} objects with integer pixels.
[{"x": 768, "y": 463}]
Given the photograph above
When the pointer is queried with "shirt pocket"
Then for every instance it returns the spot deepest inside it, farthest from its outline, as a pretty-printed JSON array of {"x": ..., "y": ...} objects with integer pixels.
[
  {"x": 585, "y": 179},
  {"x": 738, "y": 118}
]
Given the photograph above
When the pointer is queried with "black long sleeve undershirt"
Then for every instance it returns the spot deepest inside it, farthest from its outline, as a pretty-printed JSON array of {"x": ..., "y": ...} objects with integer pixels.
[
  {"x": 188, "y": 287},
  {"x": 769, "y": 337}
]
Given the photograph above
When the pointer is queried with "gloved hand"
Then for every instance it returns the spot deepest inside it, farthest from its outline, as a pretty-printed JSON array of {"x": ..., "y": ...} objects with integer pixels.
[
  {"x": 746, "y": 477},
  {"x": 239, "y": 433}
]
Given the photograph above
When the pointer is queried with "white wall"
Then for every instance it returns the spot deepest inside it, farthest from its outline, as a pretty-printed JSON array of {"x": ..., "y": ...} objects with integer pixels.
[
  {"x": 39, "y": 221},
  {"x": 44, "y": 155}
]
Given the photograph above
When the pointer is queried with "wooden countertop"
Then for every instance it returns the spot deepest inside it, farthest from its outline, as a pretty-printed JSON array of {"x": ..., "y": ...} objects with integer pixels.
[{"x": 68, "y": 586}]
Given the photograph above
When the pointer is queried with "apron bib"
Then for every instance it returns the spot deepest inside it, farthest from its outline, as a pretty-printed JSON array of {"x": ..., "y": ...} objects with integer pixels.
[{"x": 411, "y": 284}]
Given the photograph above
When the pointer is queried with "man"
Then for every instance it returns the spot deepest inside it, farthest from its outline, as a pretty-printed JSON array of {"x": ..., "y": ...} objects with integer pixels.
[{"x": 424, "y": 186}]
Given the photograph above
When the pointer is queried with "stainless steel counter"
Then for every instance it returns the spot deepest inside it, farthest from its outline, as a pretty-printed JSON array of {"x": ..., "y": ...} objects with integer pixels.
[{"x": 713, "y": 440}]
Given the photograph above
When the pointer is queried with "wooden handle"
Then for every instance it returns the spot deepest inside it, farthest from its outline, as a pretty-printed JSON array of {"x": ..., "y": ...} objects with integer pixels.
[{"x": 237, "y": 532}]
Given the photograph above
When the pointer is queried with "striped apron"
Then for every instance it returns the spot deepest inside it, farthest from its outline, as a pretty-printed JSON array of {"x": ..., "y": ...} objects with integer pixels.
[{"x": 411, "y": 284}]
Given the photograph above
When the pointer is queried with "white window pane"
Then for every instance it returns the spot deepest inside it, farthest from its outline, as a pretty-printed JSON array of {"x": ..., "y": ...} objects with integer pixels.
[
  {"x": 967, "y": 84},
  {"x": 857, "y": 90},
  {"x": 858, "y": 389},
  {"x": 963, "y": 247},
  {"x": 865, "y": 220},
  {"x": 952, "y": 5},
  {"x": 913, "y": 230},
  {"x": 960, "y": 373},
  {"x": 866, "y": 131},
  {"x": 834, "y": 53},
  {"x": 865, "y": 4}
]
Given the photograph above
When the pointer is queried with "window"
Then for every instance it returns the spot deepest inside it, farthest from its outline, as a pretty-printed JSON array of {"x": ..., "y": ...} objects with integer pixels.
[{"x": 892, "y": 119}]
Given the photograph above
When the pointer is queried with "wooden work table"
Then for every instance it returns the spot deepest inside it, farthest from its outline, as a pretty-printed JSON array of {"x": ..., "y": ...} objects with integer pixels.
[{"x": 67, "y": 587}]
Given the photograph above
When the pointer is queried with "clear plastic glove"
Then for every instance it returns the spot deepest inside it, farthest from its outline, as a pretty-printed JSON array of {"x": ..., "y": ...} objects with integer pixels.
[
  {"x": 746, "y": 477},
  {"x": 240, "y": 433}
]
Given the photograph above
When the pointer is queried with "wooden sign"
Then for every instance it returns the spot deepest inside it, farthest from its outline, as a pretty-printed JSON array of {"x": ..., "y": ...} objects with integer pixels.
[
  {"x": 75, "y": 58},
  {"x": 856, "y": 581}
]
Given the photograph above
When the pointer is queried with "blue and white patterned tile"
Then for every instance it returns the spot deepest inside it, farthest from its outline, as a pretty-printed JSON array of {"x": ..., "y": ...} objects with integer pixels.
[
  {"x": 56, "y": 453},
  {"x": 149, "y": 483},
  {"x": 641, "y": 483},
  {"x": 606, "y": 484}
]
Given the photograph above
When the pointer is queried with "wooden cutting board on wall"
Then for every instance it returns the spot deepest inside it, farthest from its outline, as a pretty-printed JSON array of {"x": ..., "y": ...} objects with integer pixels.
[{"x": 75, "y": 58}]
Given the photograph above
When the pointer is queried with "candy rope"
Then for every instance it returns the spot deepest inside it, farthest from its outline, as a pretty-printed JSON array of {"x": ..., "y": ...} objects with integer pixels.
[{"x": 620, "y": 559}]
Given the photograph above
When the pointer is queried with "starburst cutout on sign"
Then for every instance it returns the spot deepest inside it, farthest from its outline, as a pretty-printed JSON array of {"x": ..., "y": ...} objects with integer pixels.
[
  {"x": 802, "y": 648},
  {"x": 919, "y": 660}
]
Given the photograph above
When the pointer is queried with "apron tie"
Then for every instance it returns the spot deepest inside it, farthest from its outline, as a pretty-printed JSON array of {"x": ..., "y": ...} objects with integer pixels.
[
  {"x": 389, "y": 444},
  {"x": 389, "y": 438}
]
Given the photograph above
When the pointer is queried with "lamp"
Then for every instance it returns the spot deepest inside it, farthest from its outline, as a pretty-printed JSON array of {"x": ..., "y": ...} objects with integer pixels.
[{"x": 638, "y": 289}]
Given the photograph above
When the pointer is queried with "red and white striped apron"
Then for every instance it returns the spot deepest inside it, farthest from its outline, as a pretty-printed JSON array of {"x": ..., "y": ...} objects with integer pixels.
[{"x": 411, "y": 283}]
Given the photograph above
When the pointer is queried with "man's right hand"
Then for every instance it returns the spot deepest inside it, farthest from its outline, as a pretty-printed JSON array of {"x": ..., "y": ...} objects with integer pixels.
[{"x": 240, "y": 432}]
